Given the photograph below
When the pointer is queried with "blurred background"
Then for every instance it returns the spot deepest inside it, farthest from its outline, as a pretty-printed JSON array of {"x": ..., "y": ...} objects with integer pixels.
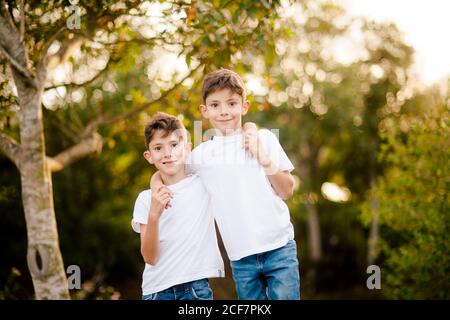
[{"x": 358, "y": 89}]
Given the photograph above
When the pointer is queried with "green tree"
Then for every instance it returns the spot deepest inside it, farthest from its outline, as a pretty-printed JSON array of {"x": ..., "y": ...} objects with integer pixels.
[{"x": 414, "y": 206}]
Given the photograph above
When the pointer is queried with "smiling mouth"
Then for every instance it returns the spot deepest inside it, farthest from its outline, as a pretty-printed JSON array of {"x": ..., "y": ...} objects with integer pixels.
[{"x": 169, "y": 162}]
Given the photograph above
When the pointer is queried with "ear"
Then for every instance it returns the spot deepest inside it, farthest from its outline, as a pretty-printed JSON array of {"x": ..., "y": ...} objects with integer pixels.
[
  {"x": 203, "y": 110},
  {"x": 245, "y": 107},
  {"x": 148, "y": 156}
]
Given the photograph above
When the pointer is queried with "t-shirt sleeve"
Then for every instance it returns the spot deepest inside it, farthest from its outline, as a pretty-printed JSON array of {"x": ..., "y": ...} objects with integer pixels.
[
  {"x": 140, "y": 212},
  {"x": 275, "y": 151}
]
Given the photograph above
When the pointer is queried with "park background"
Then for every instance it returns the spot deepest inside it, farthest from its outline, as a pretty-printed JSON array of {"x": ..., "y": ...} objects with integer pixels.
[{"x": 369, "y": 138}]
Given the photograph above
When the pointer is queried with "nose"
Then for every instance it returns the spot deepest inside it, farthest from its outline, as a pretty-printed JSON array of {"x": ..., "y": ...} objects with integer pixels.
[
  {"x": 167, "y": 153},
  {"x": 223, "y": 110}
]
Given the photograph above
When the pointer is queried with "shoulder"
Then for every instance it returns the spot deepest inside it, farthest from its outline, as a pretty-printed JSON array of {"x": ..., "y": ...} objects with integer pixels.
[
  {"x": 144, "y": 196},
  {"x": 199, "y": 151},
  {"x": 263, "y": 132},
  {"x": 267, "y": 135},
  {"x": 194, "y": 183},
  {"x": 201, "y": 146}
]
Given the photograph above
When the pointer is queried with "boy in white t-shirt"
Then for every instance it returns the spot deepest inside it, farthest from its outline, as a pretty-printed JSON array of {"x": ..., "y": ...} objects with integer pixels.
[
  {"x": 178, "y": 240},
  {"x": 247, "y": 176}
]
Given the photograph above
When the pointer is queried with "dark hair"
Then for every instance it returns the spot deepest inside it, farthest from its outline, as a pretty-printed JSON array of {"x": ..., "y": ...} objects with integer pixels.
[
  {"x": 164, "y": 122},
  {"x": 221, "y": 79}
]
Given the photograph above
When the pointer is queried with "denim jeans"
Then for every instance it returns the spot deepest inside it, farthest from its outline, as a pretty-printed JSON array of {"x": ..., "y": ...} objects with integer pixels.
[
  {"x": 194, "y": 290},
  {"x": 271, "y": 275}
]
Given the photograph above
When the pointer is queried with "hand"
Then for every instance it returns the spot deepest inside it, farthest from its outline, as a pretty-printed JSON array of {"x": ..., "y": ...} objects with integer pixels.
[
  {"x": 249, "y": 126},
  {"x": 156, "y": 183},
  {"x": 250, "y": 138},
  {"x": 160, "y": 200},
  {"x": 253, "y": 145}
]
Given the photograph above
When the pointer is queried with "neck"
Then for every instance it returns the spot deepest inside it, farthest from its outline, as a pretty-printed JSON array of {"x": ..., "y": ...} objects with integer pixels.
[{"x": 172, "y": 179}]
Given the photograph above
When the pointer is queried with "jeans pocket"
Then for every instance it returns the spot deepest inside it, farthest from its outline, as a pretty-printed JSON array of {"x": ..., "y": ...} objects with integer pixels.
[
  {"x": 150, "y": 296},
  {"x": 202, "y": 292}
]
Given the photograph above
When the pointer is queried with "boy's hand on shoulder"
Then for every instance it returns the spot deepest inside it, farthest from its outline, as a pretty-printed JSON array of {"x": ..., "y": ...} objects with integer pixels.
[
  {"x": 156, "y": 183},
  {"x": 160, "y": 200},
  {"x": 253, "y": 145},
  {"x": 250, "y": 138}
]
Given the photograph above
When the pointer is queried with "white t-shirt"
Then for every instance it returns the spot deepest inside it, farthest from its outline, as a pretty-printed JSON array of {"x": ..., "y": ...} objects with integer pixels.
[
  {"x": 187, "y": 237},
  {"x": 250, "y": 216}
]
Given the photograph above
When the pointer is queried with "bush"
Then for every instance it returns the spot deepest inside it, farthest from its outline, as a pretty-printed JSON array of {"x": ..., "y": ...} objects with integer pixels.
[{"x": 414, "y": 210}]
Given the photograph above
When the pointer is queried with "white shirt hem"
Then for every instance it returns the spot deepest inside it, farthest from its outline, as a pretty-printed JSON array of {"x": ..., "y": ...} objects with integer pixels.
[
  {"x": 210, "y": 273},
  {"x": 260, "y": 249}
]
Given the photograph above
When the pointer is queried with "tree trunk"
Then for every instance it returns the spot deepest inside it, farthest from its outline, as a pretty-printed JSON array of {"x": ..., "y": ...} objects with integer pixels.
[
  {"x": 44, "y": 256},
  {"x": 374, "y": 205},
  {"x": 373, "y": 236},
  {"x": 314, "y": 241},
  {"x": 307, "y": 169}
]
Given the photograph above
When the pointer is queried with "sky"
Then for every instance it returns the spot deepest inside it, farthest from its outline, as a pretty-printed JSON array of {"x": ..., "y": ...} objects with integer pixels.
[{"x": 426, "y": 25}]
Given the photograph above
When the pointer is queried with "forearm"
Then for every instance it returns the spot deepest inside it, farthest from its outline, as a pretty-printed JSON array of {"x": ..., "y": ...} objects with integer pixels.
[
  {"x": 283, "y": 184},
  {"x": 282, "y": 181},
  {"x": 150, "y": 241}
]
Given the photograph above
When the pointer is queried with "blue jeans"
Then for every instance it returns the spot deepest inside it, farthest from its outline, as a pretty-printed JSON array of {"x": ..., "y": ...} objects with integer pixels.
[
  {"x": 194, "y": 290},
  {"x": 271, "y": 275}
]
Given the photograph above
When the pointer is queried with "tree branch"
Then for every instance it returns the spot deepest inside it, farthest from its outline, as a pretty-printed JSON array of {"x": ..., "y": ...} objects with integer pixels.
[
  {"x": 104, "y": 119},
  {"x": 149, "y": 41},
  {"x": 10, "y": 148},
  {"x": 144, "y": 106},
  {"x": 43, "y": 58},
  {"x": 6, "y": 15},
  {"x": 12, "y": 48},
  {"x": 89, "y": 145},
  {"x": 22, "y": 20},
  {"x": 66, "y": 50},
  {"x": 23, "y": 71},
  {"x": 78, "y": 85}
]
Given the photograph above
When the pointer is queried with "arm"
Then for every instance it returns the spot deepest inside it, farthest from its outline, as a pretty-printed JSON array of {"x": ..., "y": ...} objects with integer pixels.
[
  {"x": 282, "y": 181},
  {"x": 150, "y": 231}
]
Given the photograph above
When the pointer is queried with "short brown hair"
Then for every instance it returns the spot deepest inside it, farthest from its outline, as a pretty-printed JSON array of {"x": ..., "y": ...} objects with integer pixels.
[
  {"x": 164, "y": 122},
  {"x": 221, "y": 79}
]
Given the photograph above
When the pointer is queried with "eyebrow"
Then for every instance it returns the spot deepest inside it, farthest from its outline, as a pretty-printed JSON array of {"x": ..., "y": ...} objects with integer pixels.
[
  {"x": 229, "y": 99},
  {"x": 156, "y": 144},
  {"x": 170, "y": 141}
]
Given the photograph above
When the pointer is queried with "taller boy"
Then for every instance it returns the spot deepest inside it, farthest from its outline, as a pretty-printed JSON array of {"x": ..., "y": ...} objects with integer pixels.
[{"x": 248, "y": 176}]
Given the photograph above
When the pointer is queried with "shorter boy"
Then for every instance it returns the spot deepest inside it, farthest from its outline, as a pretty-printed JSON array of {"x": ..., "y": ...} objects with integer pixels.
[{"x": 178, "y": 244}]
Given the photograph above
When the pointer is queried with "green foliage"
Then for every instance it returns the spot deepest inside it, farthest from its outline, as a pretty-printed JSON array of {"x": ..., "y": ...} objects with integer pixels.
[{"x": 414, "y": 209}]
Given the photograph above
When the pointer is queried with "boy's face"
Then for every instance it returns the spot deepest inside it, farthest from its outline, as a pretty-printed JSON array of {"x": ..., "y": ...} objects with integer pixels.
[
  {"x": 167, "y": 153},
  {"x": 224, "y": 109}
]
